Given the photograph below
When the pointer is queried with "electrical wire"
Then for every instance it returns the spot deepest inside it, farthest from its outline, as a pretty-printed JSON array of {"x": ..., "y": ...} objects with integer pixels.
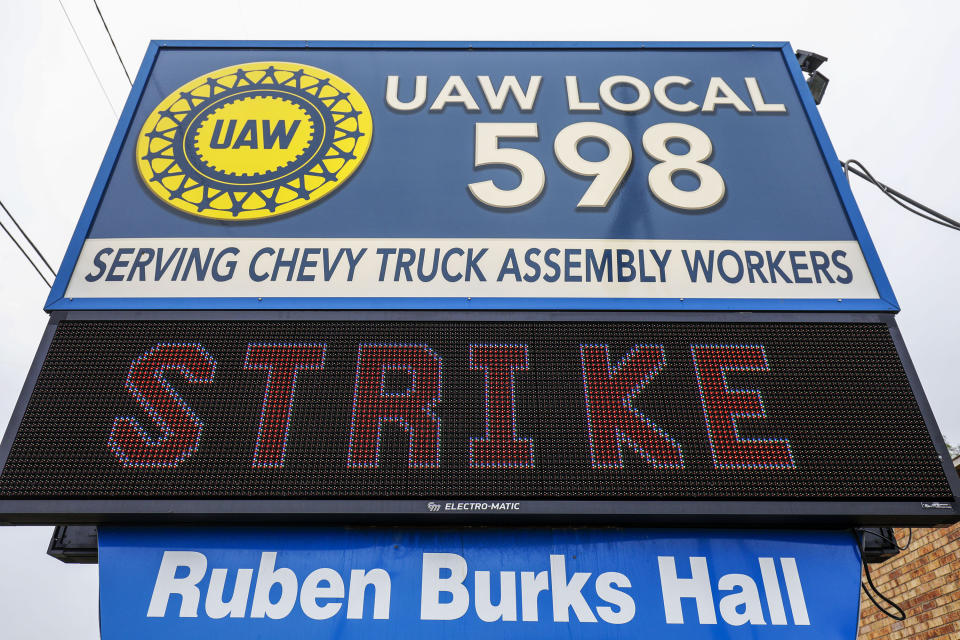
[
  {"x": 110, "y": 35},
  {"x": 898, "y": 614},
  {"x": 901, "y": 199},
  {"x": 26, "y": 255},
  {"x": 24, "y": 234},
  {"x": 856, "y": 167},
  {"x": 909, "y": 540},
  {"x": 87, "y": 56}
]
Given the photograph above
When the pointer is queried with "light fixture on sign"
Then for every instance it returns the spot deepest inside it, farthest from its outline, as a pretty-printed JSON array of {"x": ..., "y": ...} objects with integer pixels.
[{"x": 809, "y": 63}]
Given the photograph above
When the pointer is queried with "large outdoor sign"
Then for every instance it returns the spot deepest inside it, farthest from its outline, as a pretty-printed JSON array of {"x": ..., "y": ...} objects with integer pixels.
[
  {"x": 363, "y": 583},
  {"x": 603, "y": 176},
  {"x": 480, "y": 417},
  {"x": 492, "y": 284},
  {"x": 472, "y": 281}
]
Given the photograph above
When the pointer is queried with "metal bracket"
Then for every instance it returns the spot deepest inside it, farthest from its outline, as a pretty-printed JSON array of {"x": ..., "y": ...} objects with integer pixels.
[
  {"x": 74, "y": 544},
  {"x": 877, "y": 544}
]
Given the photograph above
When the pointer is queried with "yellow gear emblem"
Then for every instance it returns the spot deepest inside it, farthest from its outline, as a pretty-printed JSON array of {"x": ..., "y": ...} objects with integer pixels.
[{"x": 254, "y": 140}]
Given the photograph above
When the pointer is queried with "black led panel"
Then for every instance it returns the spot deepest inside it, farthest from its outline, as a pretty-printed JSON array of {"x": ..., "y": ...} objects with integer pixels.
[{"x": 455, "y": 410}]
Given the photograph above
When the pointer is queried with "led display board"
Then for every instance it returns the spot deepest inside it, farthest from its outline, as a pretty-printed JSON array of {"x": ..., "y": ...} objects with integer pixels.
[
  {"x": 440, "y": 416},
  {"x": 471, "y": 176}
]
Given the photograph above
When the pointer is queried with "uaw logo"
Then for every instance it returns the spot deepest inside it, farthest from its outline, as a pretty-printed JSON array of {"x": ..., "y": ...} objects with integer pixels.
[{"x": 254, "y": 140}]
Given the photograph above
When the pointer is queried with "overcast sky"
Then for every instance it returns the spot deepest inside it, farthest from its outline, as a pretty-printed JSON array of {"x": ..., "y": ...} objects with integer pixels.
[{"x": 892, "y": 103}]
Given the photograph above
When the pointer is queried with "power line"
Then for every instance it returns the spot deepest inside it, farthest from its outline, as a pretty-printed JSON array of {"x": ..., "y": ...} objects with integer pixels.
[
  {"x": 87, "y": 56},
  {"x": 26, "y": 255},
  {"x": 117, "y": 51},
  {"x": 856, "y": 167},
  {"x": 24, "y": 234}
]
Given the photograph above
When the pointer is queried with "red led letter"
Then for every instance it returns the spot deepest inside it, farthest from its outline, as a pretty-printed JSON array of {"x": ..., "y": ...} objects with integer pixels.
[
  {"x": 413, "y": 409},
  {"x": 179, "y": 427},
  {"x": 282, "y": 362},
  {"x": 723, "y": 405},
  {"x": 500, "y": 447},
  {"x": 611, "y": 417}
]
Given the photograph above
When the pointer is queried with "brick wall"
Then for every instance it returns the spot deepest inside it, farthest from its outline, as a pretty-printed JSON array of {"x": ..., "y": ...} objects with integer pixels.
[{"x": 925, "y": 581}]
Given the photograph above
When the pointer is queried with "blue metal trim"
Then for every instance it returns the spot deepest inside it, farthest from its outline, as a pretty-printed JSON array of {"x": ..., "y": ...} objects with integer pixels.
[
  {"x": 598, "y": 304},
  {"x": 472, "y": 315},
  {"x": 110, "y": 158},
  {"x": 884, "y": 290},
  {"x": 459, "y": 44}
]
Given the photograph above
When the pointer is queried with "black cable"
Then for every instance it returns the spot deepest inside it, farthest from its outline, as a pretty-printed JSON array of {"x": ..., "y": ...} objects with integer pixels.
[
  {"x": 24, "y": 234},
  {"x": 898, "y": 196},
  {"x": 87, "y": 56},
  {"x": 901, "y": 199},
  {"x": 115, "y": 50},
  {"x": 26, "y": 255},
  {"x": 900, "y": 615},
  {"x": 909, "y": 540}
]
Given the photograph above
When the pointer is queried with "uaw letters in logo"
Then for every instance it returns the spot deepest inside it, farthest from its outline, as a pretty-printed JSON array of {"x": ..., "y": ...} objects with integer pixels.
[{"x": 254, "y": 140}]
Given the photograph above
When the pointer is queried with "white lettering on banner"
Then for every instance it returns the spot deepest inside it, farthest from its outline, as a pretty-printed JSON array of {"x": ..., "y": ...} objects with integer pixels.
[
  {"x": 676, "y": 589},
  {"x": 507, "y": 607},
  {"x": 455, "y": 90},
  {"x": 267, "y": 577},
  {"x": 566, "y": 593},
  {"x": 448, "y": 591},
  {"x": 771, "y": 586},
  {"x": 744, "y": 595},
  {"x": 448, "y": 268},
  {"x": 510, "y": 86},
  {"x": 433, "y": 585},
  {"x": 237, "y": 606},
  {"x": 740, "y": 607},
  {"x": 798, "y": 605},
  {"x": 380, "y": 581},
  {"x": 168, "y": 584},
  {"x": 621, "y": 93},
  {"x": 324, "y": 586},
  {"x": 625, "y": 606},
  {"x": 531, "y": 586},
  {"x": 312, "y": 593}
]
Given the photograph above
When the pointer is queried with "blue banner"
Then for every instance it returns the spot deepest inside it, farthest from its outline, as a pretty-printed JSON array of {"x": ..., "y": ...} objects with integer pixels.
[{"x": 210, "y": 583}]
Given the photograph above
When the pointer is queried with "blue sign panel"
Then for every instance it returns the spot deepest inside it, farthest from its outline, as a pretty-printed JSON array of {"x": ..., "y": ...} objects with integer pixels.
[
  {"x": 389, "y": 583},
  {"x": 446, "y": 176}
]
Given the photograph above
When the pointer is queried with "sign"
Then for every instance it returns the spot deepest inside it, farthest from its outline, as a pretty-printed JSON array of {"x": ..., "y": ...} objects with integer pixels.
[
  {"x": 362, "y": 280},
  {"x": 475, "y": 418},
  {"x": 362, "y": 583},
  {"x": 455, "y": 176}
]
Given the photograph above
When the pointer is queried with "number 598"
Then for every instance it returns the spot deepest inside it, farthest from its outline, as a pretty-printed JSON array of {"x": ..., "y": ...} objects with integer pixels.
[{"x": 608, "y": 173}]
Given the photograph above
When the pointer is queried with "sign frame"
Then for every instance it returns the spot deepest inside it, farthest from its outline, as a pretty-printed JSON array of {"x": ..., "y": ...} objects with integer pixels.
[
  {"x": 885, "y": 302},
  {"x": 800, "y": 514}
]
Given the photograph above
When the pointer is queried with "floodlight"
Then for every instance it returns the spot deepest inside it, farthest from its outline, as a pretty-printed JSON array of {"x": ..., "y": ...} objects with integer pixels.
[
  {"x": 809, "y": 61},
  {"x": 816, "y": 81},
  {"x": 818, "y": 85}
]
